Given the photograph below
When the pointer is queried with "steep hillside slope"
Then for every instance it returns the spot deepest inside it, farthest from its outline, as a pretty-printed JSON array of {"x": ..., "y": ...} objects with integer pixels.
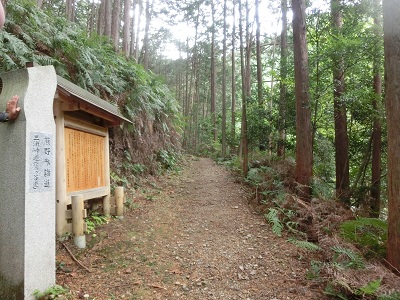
[{"x": 88, "y": 60}]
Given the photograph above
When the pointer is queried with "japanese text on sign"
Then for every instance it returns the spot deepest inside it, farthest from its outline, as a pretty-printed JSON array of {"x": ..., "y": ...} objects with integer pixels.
[{"x": 41, "y": 162}]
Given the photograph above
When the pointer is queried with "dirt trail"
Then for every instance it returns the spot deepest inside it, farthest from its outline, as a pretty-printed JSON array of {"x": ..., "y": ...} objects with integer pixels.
[{"x": 194, "y": 236}]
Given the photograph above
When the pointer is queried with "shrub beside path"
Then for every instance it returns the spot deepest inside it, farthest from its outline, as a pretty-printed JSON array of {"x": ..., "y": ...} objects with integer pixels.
[{"x": 191, "y": 236}]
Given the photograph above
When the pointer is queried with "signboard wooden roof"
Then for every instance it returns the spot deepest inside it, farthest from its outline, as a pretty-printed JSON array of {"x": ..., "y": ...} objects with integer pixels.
[{"x": 90, "y": 103}]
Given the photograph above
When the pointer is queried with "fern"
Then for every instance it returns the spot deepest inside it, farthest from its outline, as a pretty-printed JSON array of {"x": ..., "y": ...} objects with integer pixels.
[
  {"x": 44, "y": 60},
  {"x": 370, "y": 288},
  {"x": 304, "y": 245},
  {"x": 273, "y": 219},
  {"x": 347, "y": 258},
  {"x": 335, "y": 289},
  {"x": 7, "y": 62},
  {"x": 369, "y": 233},
  {"x": 43, "y": 36}
]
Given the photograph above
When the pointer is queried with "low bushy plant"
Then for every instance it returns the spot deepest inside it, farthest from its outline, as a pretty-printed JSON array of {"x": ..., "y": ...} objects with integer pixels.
[
  {"x": 368, "y": 233},
  {"x": 50, "y": 293},
  {"x": 95, "y": 219}
]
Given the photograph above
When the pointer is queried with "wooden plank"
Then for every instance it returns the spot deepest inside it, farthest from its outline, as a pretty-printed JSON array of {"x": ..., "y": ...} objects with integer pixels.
[
  {"x": 68, "y": 214},
  {"x": 61, "y": 192},
  {"x": 89, "y": 194},
  {"x": 84, "y": 126}
]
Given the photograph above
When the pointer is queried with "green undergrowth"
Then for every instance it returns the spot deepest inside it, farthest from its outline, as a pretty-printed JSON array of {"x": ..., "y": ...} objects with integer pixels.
[
  {"x": 144, "y": 147},
  {"x": 369, "y": 234},
  {"x": 95, "y": 219},
  {"x": 348, "y": 248},
  {"x": 131, "y": 174},
  {"x": 51, "y": 293}
]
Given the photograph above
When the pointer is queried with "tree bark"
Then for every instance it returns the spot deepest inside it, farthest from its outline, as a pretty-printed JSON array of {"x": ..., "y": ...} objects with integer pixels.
[
  {"x": 245, "y": 88},
  {"x": 303, "y": 170},
  {"x": 92, "y": 18},
  {"x": 260, "y": 99},
  {"x": 377, "y": 126},
  {"x": 115, "y": 24},
  {"x": 70, "y": 10},
  {"x": 195, "y": 78},
  {"x": 140, "y": 2},
  {"x": 101, "y": 18},
  {"x": 283, "y": 84},
  {"x": 133, "y": 32},
  {"x": 146, "y": 37},
  {"x": 391, "y": 27},
  {"x": 233, "y": 95},
  {"x": 185, "y": 99},
  {"x": 223, "y": 131},
  {"x": 107, "y": 17},
  {"x": 213, "y": 106},
  {"x": 126, "y": 29},
  {"x": 258, "y": 54},
  {"x": 341, "y": 137}
]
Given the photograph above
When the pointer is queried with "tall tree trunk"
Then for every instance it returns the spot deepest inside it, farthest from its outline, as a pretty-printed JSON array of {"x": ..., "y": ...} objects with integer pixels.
[
  {"x": 115, "y": 24},
  {"x": 107, "y": 17},
  {"x": 195, "y": 78},
  {"x": 233, "y": 102},
  {"x": 318, "y": 72},
  {"x": 341, "y": 137},
  {"x": 262, "y": 138},
  {"x": 92, "y": 18},
  {"x": 140, "y": 2},
  {"x": 391, "y": 28},
  {"x": 223, "y": 131},
  {"x": 303, "y": 171},
  {"x": 146, "y": 37},
  {"x": 377, "y": 127},
  {"x": 70, "y": 10},
  {"x": 365, "y": 161},
  {"x": 101, "y": 21},
  {"x": 179, "y": 76},
  {"x": 245, "y": 88},
  {"x": 258, "y": 54},
  {"x": 126, "y": 29},
  {"x": 185, "y": 102},
  {"x": 213, "y": 106},
  {"x": 283, "y": 84},
  {"x": 133, "y": 32},
  {"x": 196, "y": 72}
]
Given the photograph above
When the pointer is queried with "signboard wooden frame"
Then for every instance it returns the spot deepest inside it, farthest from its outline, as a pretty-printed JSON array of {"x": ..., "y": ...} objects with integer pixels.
[{"x": 82, "y": 161}]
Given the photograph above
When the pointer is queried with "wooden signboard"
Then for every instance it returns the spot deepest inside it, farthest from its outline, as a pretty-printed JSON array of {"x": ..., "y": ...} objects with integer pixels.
[
  {"x": 85, "y": 160},
  {"x": 82, "y": 151}
]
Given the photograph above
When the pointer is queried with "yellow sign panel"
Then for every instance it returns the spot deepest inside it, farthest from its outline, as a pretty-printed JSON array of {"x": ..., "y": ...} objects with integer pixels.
[{"x": 85, "y": 160}]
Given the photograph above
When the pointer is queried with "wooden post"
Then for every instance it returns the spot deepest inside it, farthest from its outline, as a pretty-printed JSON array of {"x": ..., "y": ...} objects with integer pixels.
[
  {"x": 78, "y": 215},
  {"x": 106, "y": 206},
  {"x": 119, "y": 201},
  {"x": 106, "y": 199},
  {"x": 61, "y": 192}
]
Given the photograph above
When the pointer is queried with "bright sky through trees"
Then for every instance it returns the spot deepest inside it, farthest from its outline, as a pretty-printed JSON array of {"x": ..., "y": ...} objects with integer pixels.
[{"x": 269, "y": 18}]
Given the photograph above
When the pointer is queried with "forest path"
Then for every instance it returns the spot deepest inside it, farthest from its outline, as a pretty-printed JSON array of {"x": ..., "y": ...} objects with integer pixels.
[{"x": 193, "y": 236}]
